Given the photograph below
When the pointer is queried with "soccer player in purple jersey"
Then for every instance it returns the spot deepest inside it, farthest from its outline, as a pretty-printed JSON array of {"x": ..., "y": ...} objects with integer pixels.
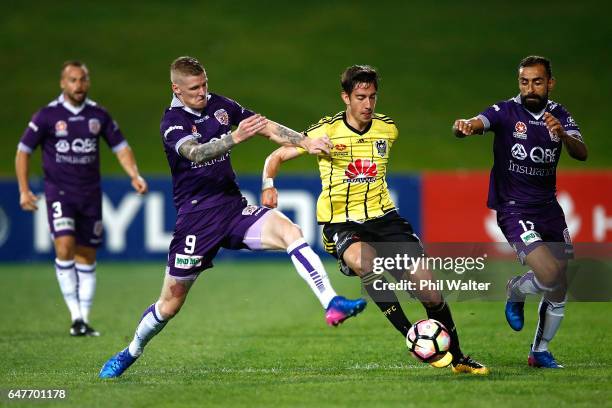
[
  {"x": 211, "y": 212},
  {"x": 530, "y": 131},
  {"x": 69, "y": 130}
]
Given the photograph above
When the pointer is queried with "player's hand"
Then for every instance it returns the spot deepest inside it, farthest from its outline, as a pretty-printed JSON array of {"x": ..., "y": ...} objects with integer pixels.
[
  {"x": 553, "y": 125},
  {"x": 320, "y": 146},
  {"x": 27, "y": 201},
  {"x": 249, "y": 127},
  {"x": 269, "y": 197},
  {"x": 140, "y": 185},
  {"x": 462, "y": 128}
]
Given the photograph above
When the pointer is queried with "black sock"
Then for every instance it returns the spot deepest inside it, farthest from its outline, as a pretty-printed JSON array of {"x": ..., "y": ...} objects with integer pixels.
[
  {"x": 387, "y": 302},
  {"x": 441, "y": 312}
]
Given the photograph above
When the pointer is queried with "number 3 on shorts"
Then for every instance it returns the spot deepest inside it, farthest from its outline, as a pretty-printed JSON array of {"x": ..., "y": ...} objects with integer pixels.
[
  {"x": 190, "y": 241},
  {"x": 57, "y": 209}
]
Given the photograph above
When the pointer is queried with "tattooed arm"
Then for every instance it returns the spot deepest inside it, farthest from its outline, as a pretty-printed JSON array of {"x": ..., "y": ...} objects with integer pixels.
[
  {"x": 288, "y": 137},
  {"x": 201, "y": 152}
]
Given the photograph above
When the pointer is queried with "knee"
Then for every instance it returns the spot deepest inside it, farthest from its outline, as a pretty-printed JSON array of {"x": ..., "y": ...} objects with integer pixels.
[
  {"x": 290, "y": 233},
  {"x": 170, "y": 308},
  {"x": 553, "y": 273},
  {"x": 64, "y": 252},
  {"x": 361, "y": 265}
]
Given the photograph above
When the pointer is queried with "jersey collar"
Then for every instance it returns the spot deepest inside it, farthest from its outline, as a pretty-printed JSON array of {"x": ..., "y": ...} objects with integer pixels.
[
  {"x": 352, "y": 129},
  {"x": 75, "y": 110}
]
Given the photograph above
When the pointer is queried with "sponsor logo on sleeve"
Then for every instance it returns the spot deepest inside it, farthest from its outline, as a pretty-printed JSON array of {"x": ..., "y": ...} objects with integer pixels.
[
  {"x": 222, "y": 116},
  {"x": 171, "y": 128},
  {"x": 182, "y": 261},
  {"x": 94, "y": 126},
  {"x": 530, "y": 237},
  {"x": 64, "y": 223},
  {"x": 61, "y": 128},
  {"x": 520, "y": 130}
]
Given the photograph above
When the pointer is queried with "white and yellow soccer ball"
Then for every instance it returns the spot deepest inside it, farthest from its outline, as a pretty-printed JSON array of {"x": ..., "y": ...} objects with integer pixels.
[{"x": 428, "y": 340}]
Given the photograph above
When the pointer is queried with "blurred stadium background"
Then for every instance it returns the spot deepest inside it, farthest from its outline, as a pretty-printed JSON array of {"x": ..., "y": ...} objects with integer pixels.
[{"x": 438, "y": 61}]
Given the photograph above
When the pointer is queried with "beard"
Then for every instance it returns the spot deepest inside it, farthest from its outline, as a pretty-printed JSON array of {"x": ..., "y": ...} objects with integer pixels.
[{"x": 534, "y": 103}]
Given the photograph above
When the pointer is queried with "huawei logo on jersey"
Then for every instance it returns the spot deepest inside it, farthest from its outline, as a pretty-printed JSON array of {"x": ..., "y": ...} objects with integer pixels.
[{"x": 361, "y": 171}]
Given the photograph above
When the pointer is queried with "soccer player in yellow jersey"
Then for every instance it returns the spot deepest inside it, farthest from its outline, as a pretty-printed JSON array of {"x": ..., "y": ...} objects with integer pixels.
[{"x": 355, "y": 206}]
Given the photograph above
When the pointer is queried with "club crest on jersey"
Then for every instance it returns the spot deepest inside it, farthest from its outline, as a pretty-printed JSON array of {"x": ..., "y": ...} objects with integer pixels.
[
  {"x": 94, "y": 126},
  {"x": 251, "y": 210},
  {"x": 222, "y": 116},
  {"x": 520, "y": 130},
  {"x": 361, "y": 171},
  {"x": 553, "y": 137},
  {"x": 381, "y": 147},
  {"x": 61, "y": 128},
  {"x": 194, "y": 132}
]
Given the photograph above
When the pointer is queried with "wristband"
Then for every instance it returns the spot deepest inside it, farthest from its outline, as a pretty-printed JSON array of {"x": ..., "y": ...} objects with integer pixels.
[{"x": 267, "y": 183}]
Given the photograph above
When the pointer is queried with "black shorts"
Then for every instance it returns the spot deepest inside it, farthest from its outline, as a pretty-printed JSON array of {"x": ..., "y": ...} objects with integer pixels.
[{"x": 390, "y": 228}]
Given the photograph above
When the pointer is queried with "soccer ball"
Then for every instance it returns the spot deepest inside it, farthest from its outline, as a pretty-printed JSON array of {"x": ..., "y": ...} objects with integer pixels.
[{"x": 428, "y": 340}]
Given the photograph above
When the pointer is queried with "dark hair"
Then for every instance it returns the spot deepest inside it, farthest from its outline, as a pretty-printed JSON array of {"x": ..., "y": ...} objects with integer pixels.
[
  {"x": 532, "y": 60},
  {"x": 185, "y": 66},
  {"x": 358, "y": 74},
  {"x": 73, "y": 63}
]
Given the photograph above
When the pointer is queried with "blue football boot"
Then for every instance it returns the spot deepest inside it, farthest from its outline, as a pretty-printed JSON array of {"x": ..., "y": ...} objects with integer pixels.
[
  {"x": 341, "y": 308},
  {"x": 117, "y": 364},
  {"x": 515, "y": 309},
  {"x": 542, "y": 359}
]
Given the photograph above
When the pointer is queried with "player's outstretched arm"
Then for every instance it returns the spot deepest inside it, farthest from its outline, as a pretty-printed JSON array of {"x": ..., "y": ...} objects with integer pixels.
[
  {"x": 128, "y": 162},
  {"x": 288, "y": 137},
  {"x": 468, "y": 127},
  {"x": 201, "y": 152},
  {"x": 575, "y": 147},
  {"x": 269, "y": 194},
  {"x": 27, "y": 199}
]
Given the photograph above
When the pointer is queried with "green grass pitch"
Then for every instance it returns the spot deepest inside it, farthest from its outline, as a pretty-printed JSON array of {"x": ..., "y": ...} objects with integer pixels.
[{"x": 251, "y": 334}]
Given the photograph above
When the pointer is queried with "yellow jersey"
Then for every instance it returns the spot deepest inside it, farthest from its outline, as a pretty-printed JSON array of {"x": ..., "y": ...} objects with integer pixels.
[{"x": 353, "y": 177}]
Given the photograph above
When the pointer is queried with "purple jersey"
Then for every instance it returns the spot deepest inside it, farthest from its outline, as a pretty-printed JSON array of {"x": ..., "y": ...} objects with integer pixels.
[
  {"x": 525, "y": 153},
  {"x": 69, "y": 137},
  {"x": 198, "y": 186}
]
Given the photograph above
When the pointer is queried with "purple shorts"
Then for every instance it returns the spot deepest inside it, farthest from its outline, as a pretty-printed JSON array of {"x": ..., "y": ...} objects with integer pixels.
[
  {"x": 78, "y": 216},
  {"x": 198, "y": 236},
  {"x": 527, "y": 229}
]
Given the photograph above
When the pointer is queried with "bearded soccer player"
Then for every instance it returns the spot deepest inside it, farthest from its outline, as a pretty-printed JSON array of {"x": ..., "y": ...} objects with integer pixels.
[
  {"x": 212, "y": 214},
  {"x": 355, "y": 206},
  {"x": 530, "y": 132},
  {"x": 69, "y": 131}
]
